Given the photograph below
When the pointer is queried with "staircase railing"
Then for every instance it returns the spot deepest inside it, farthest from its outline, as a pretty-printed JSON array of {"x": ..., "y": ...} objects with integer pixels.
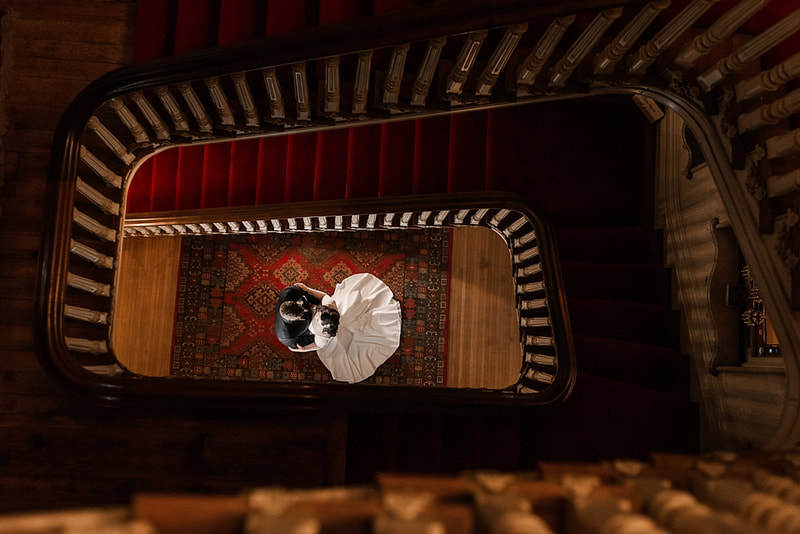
[{"x": 539, "y": 52}]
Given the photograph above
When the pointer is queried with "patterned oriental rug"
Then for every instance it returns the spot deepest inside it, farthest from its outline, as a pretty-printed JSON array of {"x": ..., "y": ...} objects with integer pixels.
[{"x": 229, "y": 284}]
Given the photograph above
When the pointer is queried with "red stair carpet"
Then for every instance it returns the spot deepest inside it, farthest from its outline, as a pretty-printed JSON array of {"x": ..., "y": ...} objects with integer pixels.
[{"x": 587, "y": 166}]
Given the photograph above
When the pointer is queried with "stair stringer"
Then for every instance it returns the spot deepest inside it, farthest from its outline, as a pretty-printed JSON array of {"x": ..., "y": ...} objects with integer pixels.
[{"x": 768, "y": 271}]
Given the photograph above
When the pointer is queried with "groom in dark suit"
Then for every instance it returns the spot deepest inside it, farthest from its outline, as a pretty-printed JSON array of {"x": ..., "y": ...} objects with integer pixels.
[{"x": 292, "y": 317}]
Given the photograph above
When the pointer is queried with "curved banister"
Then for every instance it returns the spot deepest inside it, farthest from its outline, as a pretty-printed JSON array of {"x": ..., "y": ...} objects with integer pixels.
[{"x": 414, "y": 25}]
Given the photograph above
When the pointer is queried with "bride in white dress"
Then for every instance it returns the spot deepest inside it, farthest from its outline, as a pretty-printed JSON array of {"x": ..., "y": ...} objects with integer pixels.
[{"x": 369, "y": 327}]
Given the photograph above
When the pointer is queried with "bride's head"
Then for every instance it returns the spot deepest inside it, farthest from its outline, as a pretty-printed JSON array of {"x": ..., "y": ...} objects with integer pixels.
[{"x": 328, "y": 318}]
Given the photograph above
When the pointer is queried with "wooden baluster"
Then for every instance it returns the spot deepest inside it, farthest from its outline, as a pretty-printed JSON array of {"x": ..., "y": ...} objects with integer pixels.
[
  {"x": 87, "y": 223},
  {"x": 582, "y": 46},
  {"x": 196, "y": 107},
  {"x": 394, "y": 75},
  {"x": 499, "y": 59},
  {"x": 110, "y": 140},
  {"x": 770, "y": 113},
  {"x": 129, "y": 120},
  {"x": 647, "y": 54},
  {"x": 534, "y": 322},
  {"x": 99, "y": 168},
  {"x": 606, "y": 60},
  {"x": 783, "y": 145},
  {"x": 717, "y": 32},
  {"x": 778, "y": 186},
  {"x": 526, "y": 255},
  {"x": 361, "y": 83},
  {"x": 245, "y": 99},
  {"x": 91, "y": 255},
  {"x": 750, "y": 51},
  {"x": 769, "y": 80},
  {"x": 220, "y": 101},
  {"x": 419, "y": 92},
  {"x": 173, "y": 110},
  {"x": 301, "y": 91},
  {"x": 96, "y": 197},
  {"x": 466, "y": 58},
  {"x": 85, "y": 314},
  {"x": 530, "y": 287},
  {"x": 274, "y": 95},
  {"x": 88, "y": 285},
  {"x": 153, "y": 119},
  {"x": 533, "y": 63},
  {"x": 332, "y": 85},
  {"x": 91, "y": 346}
]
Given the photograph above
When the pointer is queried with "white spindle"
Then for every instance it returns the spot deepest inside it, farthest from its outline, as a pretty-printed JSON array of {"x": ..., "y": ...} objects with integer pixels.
[
  {"x": 526, "y": 390},
  {"x": 111, "y": 369},
  {"x": 220, "y": 101},
  {"x": 540, "y": 376},
  {"x": 129, "y": 120},
  {"x": 405, "y": 219},
  {"x": 85, "y": 314},
  {"x": 338, "y": 221},
  {"x": 526, "y": 255},
  {"x": 478, "y": 216},
  {"x": 153, "y": 119},
  {"x": 99, "y": 168},
  {"x": 769, "y": 80},
  {"x": 96, "y": 197},
  {"x": 534, "y": 304},
  {"x": 466, "y": 58},
  {"x": 647, "y": 54},
  {"x": 781, "y": 185},
  {"x": 770, "y": 113},
  {"x": 354, "y": 221},
  {"x": 91, "y": 346},
  {"x": 541, "y": 359},
  {"x": 87, "y": 223},
  {"x": 371, "y": 220},
  {"x": 233, "y": 226},
  {"x": 422, "y": 220},
  {"x": 245, "y": 99},
  {"x": 532, "y": 65},
  {"x": 419, "y": 91},
  {"x": 530, "y": 287},
  {"x": 166, "y": 229},
  {"x": 582, "y": 46},
  {"x": 361, "y": 83},
  {"x": 207, "y": 227},
  {"x": 499, "y": 59},
  {"x": 524, "y": 240},
  {"x": 219, "y": 227},
  {"x": 540, "y": 341},
  {"x": 196, "y": 107},
  {"x": 307, "y": 224},
  {"x": 332, "y": 85},
  {"x": 388, "y": 219},
  {"x": 194, "y": 228},
  {"x": 88, "y": 285},
  {"x": 499, "y": 217},
  {"x": 460, "y": 216},
  {"x": 276, "y": 225},
  {"x": 783, "y": 145},
  {"x": 515, "y": 226},
  {"x": 717, "y": 32},
  {"x": 534, "y": 322},
  {"x": 750, "y": 51},
  {"x": 440, "y": 217},
  {"x": 173, "y": 110},
  {"x": 91, "y": 255},
  {"x": 274, "y": 95},
  {"x": 323, "y": 223},
  {"x": 606, "y": 60},
  {"x": 301, "y": 91},
  {"x": 248, "y": 226},
  {"x": 530, "y": 270},
  {"x": 262, "y": 225},
  {"x": 110, "y": 140},
  {"x": 394, "y": 74}
]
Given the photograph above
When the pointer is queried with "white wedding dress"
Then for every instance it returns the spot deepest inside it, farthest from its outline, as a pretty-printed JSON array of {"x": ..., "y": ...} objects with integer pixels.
[{"x": 369, "y": 328}]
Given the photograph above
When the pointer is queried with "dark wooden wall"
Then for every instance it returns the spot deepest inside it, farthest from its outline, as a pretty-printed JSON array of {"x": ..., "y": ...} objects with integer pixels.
[{"x": 57, "y": 449}]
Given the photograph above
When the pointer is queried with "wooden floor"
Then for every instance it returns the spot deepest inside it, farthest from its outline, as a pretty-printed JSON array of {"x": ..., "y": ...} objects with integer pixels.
[{"x": 482, "y": 333}]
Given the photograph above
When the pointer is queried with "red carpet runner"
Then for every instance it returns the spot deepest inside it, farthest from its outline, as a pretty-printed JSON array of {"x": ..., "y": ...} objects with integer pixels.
[{"x": 229, "y": 284}]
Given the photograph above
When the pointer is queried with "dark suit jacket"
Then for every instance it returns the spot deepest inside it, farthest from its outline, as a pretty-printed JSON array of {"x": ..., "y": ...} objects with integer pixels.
[{"x": 294, "y": 333}]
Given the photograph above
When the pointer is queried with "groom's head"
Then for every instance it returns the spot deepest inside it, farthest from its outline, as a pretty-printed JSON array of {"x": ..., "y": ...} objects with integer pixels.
[{"x": 293, "y": 311}]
